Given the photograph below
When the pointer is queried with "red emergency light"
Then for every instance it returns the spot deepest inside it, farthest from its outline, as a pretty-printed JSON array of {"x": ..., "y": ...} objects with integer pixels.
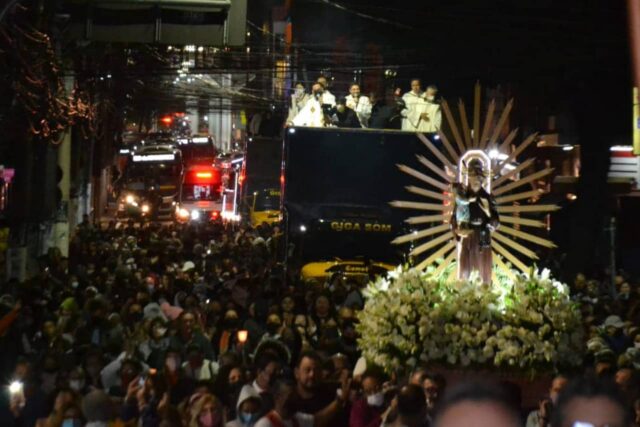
[
  {"x": 166, "y": 120},
  {"x": 215, "y": 215},
  {"x": 203, "y": 177}
]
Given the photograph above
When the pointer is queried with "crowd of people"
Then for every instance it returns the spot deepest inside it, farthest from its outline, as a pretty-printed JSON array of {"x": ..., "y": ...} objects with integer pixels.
[
  {"x": 200, "y": 326},
  {"x": 415, "y": 111}
]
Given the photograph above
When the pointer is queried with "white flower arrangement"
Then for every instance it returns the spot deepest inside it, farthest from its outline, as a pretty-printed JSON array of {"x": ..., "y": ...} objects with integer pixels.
[{"x": 526, "y": 325}]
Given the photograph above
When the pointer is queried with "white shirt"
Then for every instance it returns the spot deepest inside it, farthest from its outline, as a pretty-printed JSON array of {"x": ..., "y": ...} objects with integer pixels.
[
  {"x": 304, "y": 420},
  {"x": 311, "y": 115},
  {"x": 362, "y": 107}
]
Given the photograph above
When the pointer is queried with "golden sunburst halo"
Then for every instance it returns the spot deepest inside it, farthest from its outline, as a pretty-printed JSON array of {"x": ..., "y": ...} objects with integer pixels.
[{"x": 509, "y": 242}]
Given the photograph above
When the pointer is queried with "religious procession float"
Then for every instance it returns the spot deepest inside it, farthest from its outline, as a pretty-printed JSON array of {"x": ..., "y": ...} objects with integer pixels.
[{"x": 470, "y": 305}]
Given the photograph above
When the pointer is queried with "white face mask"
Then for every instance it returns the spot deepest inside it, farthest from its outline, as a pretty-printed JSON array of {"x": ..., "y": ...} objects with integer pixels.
[
  {"x": 76, "y": 385},
  {"x": 430, "y": 97},
  {"x": 299, "y": 92},
  {"x": 375, "y": 399}
]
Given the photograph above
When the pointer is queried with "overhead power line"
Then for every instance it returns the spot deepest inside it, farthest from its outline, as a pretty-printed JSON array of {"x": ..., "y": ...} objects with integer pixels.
[{"x": 366, "y": 16}]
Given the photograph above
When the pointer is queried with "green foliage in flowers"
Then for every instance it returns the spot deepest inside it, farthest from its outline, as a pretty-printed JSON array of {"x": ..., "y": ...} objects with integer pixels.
[{"x": 527, "y": 325}]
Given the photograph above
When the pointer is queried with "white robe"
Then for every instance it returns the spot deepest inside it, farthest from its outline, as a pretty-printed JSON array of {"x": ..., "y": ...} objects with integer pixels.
[
  {"x": 362, "y": 107},
  {"x": 411, "y": 101},
  {"x": 297, "y": 104},
  {"x": 311, "y": 115},
  {"x": 328, "y": 98},
  {"x": 415, "y": 106}
]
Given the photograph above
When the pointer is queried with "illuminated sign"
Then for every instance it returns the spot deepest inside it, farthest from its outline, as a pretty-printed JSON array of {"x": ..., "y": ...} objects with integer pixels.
[
  {"x": 366, "y": 227},
  {"x": 200, "y": 140},
  {"x": 154, "y": 158}
]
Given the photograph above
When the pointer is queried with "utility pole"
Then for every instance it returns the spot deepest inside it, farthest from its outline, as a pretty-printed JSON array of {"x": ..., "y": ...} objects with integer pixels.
[
  {"x": 61, "y": 225},
  {"x": 633, "y": 13}
]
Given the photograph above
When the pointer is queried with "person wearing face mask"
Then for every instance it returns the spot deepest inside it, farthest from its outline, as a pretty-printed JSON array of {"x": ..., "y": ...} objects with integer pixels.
[
  {"x": 541, "y": 417},
  {"x": 299, "y": 99},
  {"x": 205, "y": 410},
  {"x": 71, "y": 415},
  {"x": 153, "y": 348},
  {"x": 247, "y": 408},
  {"x": 367, "y": 411},
  {"x": 77, "y": 381}
]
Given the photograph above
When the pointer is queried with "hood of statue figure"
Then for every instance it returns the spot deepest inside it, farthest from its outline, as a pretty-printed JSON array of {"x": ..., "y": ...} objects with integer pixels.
[{"x": 475, "y": 167}]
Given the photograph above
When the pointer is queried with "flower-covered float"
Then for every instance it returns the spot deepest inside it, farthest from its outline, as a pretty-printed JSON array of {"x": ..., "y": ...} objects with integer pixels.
[{"x": 470, "y": 303}]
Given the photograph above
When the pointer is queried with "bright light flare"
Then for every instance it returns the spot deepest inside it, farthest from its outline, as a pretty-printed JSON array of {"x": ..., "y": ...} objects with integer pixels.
[
  {"x": 242, "y": 336},
  {"x": 16, "y": 387}
]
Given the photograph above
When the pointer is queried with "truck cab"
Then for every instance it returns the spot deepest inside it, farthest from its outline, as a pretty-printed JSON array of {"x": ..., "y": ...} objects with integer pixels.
[
  {"x": 200, "y": 197},
  {"x": 265, "y": 207}
]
